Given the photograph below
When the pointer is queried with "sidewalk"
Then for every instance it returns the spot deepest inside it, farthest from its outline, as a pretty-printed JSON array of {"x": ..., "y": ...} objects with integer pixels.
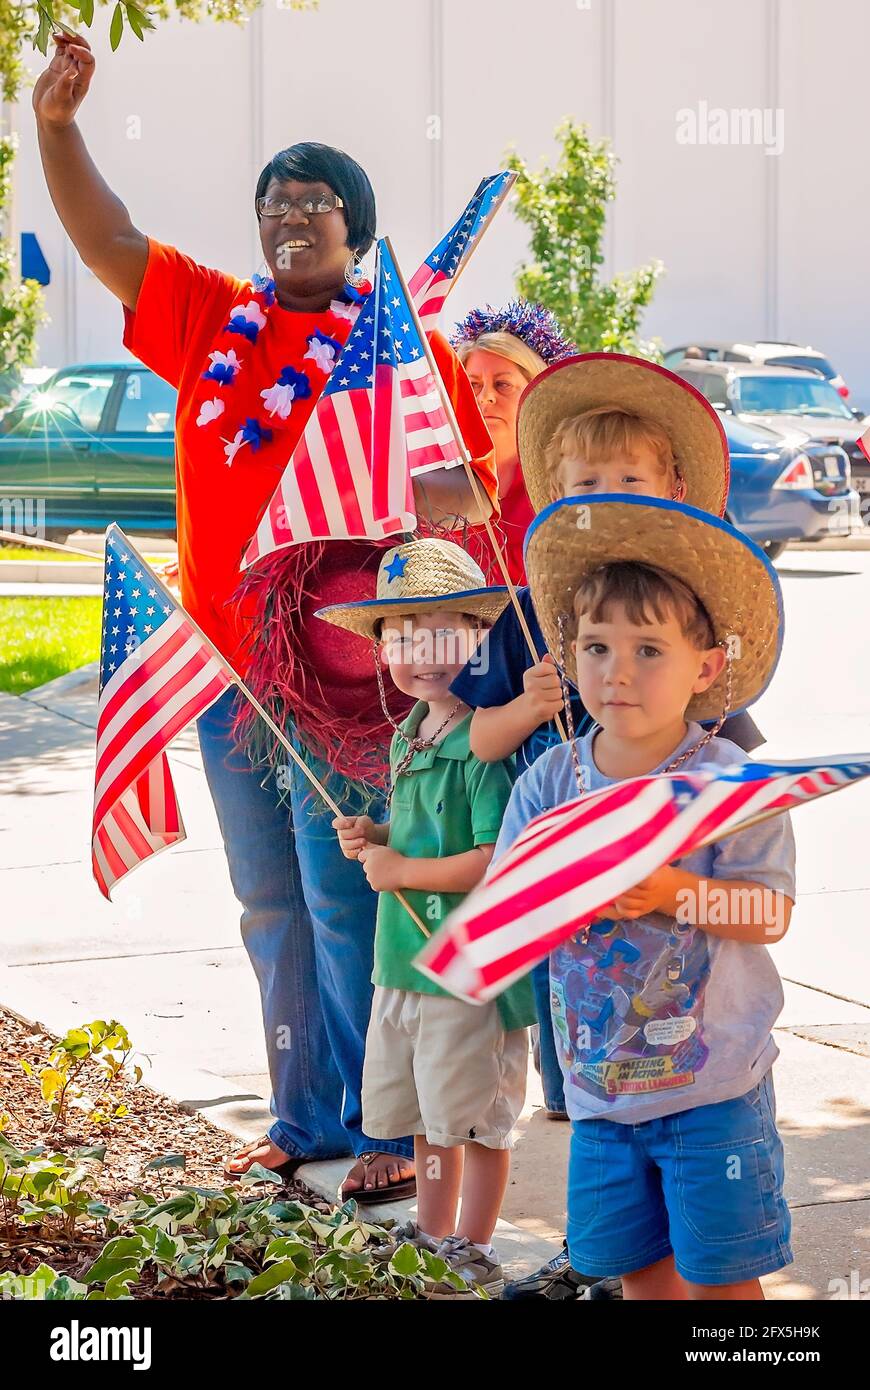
[{"x": 165, "y": 957}]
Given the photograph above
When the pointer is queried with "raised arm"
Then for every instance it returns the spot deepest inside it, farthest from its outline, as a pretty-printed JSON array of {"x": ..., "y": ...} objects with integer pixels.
[{"x": 95, "y": 219}]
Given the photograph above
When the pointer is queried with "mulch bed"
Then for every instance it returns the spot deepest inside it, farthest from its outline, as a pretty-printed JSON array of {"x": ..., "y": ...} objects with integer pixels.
[{"x": 155, "y": 1125}]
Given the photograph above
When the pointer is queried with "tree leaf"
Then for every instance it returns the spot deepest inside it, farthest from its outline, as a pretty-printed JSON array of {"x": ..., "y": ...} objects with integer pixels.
[
  {"x": 166, "y": 1161},
  {"x": 77, "y": 1042},
  {"x": 134, "y": 19},
  {"x": 47, "y": 24},
  {"x": 406, "y": 1261},
  {"x": 116, "y": 28},
  {"x": 257, "y": 1173},
  {"x": 95, "y": 1151},
  {"x": 50, "y": 1082},
  {"x": 86, "y": 10},
  {"x": 124, "y": 1252},
  {"x": 118, "y": 1285},
  {"x": 283, "y": 1272}
]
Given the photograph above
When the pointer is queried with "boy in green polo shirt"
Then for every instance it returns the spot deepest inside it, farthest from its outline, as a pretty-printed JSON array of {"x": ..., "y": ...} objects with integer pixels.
[{"x": 450, "y": 1073}]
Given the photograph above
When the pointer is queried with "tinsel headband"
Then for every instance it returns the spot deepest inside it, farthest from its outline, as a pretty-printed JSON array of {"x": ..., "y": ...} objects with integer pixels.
[{"x": 531, "y": 323}]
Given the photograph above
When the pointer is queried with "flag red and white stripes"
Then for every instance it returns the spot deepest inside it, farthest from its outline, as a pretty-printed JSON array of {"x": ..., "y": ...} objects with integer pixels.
[
  {"x": 380, "y": 418},
  {"x": 165, "y": 676},
  {"x": 430, "y": 285},
  {"x": 571, "y": 862}
]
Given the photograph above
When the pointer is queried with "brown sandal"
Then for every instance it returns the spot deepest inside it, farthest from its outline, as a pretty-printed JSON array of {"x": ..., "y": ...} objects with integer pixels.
[{"x": 371, "y": 1196}]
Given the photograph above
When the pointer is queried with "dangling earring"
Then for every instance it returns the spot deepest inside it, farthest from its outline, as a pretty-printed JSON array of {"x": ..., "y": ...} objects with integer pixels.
[{"x": 354, "y": 271}]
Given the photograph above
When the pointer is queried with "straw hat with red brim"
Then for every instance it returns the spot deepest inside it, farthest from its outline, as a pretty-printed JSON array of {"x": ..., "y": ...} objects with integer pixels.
[
  {"x": 641, "y": 388},
  {"x": 726, "y": 571}
]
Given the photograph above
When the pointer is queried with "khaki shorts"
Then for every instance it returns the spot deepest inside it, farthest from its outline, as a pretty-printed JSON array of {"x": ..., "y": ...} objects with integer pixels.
[{"x": 439, "y": 1067}]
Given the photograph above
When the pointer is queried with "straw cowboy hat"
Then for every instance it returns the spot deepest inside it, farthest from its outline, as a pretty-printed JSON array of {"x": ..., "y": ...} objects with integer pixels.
[
  {"x": 420, "y": 577},
  {"x": 730, "y": 575},
  {"x": 641, "y": 388}
]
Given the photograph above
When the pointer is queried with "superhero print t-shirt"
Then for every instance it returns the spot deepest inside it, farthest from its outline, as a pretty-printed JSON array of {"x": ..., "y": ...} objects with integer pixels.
[{"x": 652, "y": 1016}]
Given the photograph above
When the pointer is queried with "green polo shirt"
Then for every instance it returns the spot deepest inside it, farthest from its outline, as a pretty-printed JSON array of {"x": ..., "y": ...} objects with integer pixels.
[{"x": 446, "y": 802}]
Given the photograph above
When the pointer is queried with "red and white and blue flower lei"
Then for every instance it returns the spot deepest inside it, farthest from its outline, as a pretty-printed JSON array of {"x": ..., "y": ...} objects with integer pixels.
[{"x": 232, "y": 354}]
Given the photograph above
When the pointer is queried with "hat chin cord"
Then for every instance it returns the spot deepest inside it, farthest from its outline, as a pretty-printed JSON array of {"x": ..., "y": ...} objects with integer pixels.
[
  {"x": 677, "y": 762},
  {"x": 414, "y": 745}
]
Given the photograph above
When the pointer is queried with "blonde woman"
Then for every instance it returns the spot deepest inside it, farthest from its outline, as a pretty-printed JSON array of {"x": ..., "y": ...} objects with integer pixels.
[{"x": 502, "y": 350}]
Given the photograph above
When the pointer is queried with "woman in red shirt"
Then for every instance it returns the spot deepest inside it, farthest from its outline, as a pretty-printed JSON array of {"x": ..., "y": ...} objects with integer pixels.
[{"x": 249, "y": 360}]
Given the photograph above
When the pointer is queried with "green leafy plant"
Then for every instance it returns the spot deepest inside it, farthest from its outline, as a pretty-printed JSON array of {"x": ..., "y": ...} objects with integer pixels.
[
  {"x": 55, "y": 1191},
  {"x": 98, "y": 1050},
  {"x": 565, "y": 206},
  {"x": 219, "y": 1241}
]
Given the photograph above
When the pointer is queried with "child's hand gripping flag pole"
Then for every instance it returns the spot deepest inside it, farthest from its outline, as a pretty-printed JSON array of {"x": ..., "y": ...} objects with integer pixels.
[
  {"x": 158, "y": 672},
  {"x": 429, "y": 286},
  {"x": 464, "y": 459},
  {"x": 570, "y": 863}
]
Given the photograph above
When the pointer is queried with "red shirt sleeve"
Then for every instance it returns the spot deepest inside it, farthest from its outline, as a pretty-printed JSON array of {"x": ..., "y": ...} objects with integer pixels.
[
  {"x": 468, "y": 416},
  {"x": 179, "y": 308}
]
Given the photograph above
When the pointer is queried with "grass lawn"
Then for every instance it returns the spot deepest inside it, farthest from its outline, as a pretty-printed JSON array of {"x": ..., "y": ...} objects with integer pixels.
[
  {"x": 41, "y": 638},
  {"x": 38, "y": 553}
]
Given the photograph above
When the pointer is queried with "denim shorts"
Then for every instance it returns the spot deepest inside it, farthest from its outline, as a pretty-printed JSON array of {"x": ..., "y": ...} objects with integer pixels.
[{"x": 705, "y": 1185}]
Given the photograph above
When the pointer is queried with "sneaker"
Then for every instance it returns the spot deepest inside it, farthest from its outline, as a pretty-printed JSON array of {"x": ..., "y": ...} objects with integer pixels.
[
  {"x": 556, "y": 1279},
  {"x": 472, "y": 1265},
  {"x": 605, "y": 1288},
  {"x": 407, "y": 1234}
]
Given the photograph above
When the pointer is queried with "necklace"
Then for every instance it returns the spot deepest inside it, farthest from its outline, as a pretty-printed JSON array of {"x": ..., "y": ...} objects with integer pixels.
[
  {"x": 239, "y": 423},
  {"x": 414, "y": 745}
]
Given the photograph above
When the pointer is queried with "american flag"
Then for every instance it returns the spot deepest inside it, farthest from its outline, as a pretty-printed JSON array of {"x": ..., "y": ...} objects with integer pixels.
[
  {"x": 380, "y": 417},
  {"x": 431, "y": 284},
  {"x": 157, "y": 673},
  {"x": 571, "y": 862}
]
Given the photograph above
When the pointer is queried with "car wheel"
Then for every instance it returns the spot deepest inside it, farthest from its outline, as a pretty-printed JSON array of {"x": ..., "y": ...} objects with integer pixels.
[{"x": 773, "y": 548}]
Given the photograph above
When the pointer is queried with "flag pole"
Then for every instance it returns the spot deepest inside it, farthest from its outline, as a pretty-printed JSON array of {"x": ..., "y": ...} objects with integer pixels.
[
  {"x": 237, "y": 681},
  {"x": 49, "y": 545},
  {"x": 469, "y": 473}
]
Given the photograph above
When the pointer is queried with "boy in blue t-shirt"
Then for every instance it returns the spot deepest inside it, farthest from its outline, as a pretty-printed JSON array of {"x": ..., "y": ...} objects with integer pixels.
[
  {"x": 663, "y": 1006},
  {"x": 592, "y": 424}
]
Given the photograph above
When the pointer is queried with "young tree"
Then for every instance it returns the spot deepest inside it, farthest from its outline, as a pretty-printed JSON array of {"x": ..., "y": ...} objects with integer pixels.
[{"x": 566, "y": 208}]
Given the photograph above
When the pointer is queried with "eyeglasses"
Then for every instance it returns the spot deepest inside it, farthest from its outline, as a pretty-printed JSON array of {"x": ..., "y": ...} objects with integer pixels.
[{"x": 314, "y": 203}]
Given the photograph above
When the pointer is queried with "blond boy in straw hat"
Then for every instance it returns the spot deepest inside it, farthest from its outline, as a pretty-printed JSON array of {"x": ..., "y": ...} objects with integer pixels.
[
  {"x": 591, "y": 424},
  {"x": 450, "y": 1073},
  {"x": 663, "y": 1007}
]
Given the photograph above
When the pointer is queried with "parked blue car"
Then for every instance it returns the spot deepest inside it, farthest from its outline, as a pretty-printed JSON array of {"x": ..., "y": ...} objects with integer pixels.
[
  {"x": 96, "y": 443},
  {"x": 785, "y": 491}
]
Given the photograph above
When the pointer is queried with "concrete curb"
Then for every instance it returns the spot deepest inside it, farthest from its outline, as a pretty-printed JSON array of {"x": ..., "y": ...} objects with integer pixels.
[
  {"x": 54, "y": 572},
  {"x": 246, "y": 1117}
]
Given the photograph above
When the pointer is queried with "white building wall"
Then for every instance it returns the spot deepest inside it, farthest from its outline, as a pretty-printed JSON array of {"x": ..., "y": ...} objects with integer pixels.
[{"x": 753, "y": 244}]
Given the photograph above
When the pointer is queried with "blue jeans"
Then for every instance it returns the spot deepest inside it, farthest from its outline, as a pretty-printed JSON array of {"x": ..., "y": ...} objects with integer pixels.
[
  {"x": 308, "y": 925},
  {"x": 551, "y": 1072}
]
